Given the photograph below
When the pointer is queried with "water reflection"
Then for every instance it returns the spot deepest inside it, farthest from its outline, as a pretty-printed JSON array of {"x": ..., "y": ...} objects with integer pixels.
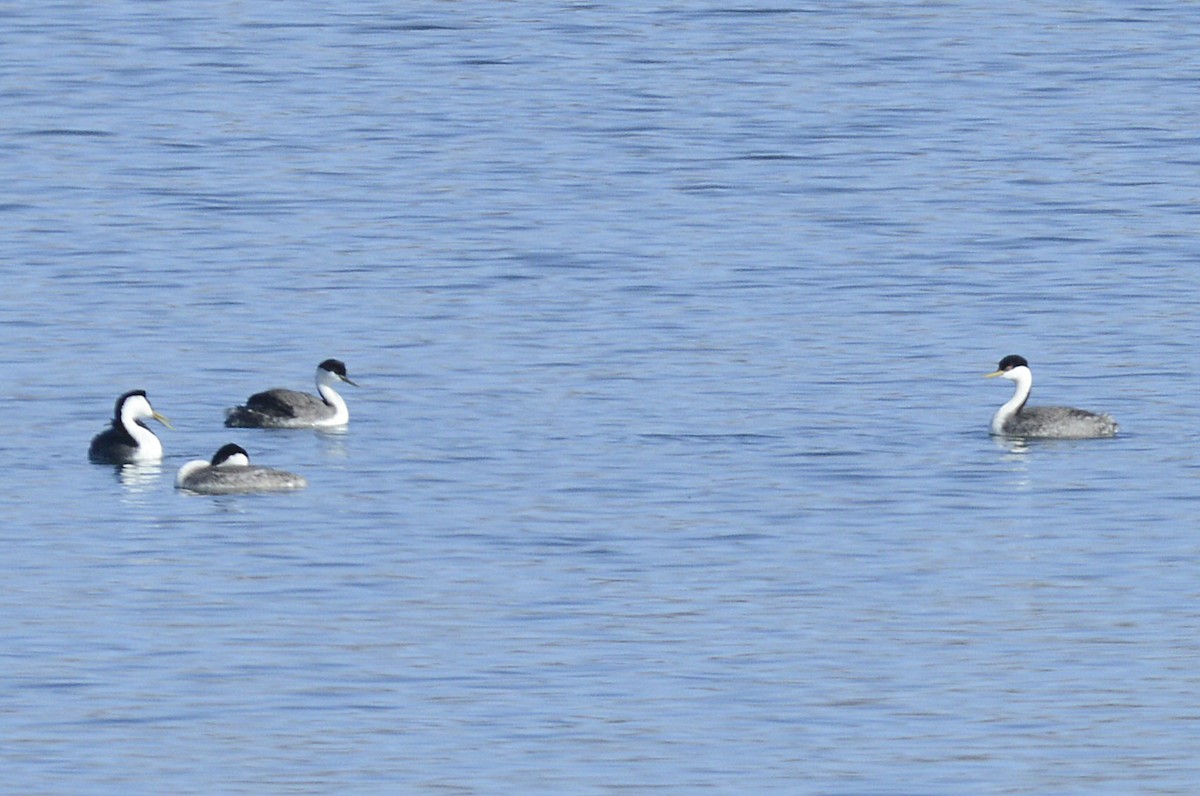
[
  {"x": 334, "y": 440},
  {"x": 222, "y": 504},
  {"x": 138, "y": 478},
  {"x": 1014, "y": 446}
]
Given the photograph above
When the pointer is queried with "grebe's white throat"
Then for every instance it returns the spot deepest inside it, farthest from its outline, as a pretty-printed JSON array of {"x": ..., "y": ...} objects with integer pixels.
[{"x": 1022, "y": 378}]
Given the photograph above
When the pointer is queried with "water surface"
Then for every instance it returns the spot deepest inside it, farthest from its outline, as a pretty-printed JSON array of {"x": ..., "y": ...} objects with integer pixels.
[{"x": 669, "y": 469}]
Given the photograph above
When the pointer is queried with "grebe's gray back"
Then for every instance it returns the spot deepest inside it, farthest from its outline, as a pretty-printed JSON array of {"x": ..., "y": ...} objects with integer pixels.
[
  {"x": 129, "y": 439},
  {"x": 1015, "y": 419},
  {"x": 291, "y": 409},
  {"x": 229, "y": 472}
]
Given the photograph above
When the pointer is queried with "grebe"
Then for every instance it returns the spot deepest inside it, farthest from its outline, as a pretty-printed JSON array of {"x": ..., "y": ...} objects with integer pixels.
[
  {"x": 229, "y": 471},
  {"x": 129, "y": 439},
  {"x": 1015, "y": 419},
  {"x": 291, "y": 409}
]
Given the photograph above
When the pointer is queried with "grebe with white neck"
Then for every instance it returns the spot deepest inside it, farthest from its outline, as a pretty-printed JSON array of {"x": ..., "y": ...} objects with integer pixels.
[
  {"x": 1015, "y": 419},
  {"x": 229, "y": 472},
  {"x": 290, "y": 409},
  {"x": 129, "y": 439}
]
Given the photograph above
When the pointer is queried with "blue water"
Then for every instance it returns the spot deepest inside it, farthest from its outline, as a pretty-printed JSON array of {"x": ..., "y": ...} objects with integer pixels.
[{"x": 669, "y": 468}]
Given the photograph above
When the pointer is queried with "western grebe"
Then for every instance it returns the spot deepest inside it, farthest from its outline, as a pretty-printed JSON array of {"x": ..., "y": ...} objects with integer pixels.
[
  {"x": 291, "y": 409},
  {"x": 1015, "y": 419},
  {"x": 129, "y": 439},
  {"x": 229, "y": 471}
]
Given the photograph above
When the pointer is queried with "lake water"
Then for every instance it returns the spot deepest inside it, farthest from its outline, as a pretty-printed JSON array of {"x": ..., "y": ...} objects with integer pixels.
[{"x": 669, "y": 469}]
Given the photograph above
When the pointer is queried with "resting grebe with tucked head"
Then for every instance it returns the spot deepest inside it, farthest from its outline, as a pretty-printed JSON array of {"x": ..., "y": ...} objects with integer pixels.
[
  {"x": 129, "y": 439},
  {"x": 1015, "y": 419},
  {"x": 229, "y": 471},
  {"x": 290, "y": 409}
]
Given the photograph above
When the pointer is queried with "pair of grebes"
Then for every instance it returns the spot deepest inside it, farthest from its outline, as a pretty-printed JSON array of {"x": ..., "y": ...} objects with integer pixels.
[{"x": 130, "y": 441}]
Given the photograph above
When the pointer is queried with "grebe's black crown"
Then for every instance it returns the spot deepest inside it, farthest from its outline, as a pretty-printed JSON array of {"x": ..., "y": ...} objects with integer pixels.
[
  {"x": 1012, "y": 361},
  {"x": 334, "y": 366},
  {"x": 225, "y": 451}
]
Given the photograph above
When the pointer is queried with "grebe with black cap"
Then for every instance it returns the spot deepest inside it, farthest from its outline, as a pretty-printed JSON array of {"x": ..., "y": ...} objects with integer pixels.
[
  {"x": 129, "y": 439},
  {"x": 1015, "y": 419},
  {"x": 290, "y": 409},
  {"x": 229, "y": 471}
]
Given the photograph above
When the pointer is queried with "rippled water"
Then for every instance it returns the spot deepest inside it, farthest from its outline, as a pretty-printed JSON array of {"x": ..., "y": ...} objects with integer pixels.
[{"x": 669, "y": 469}]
